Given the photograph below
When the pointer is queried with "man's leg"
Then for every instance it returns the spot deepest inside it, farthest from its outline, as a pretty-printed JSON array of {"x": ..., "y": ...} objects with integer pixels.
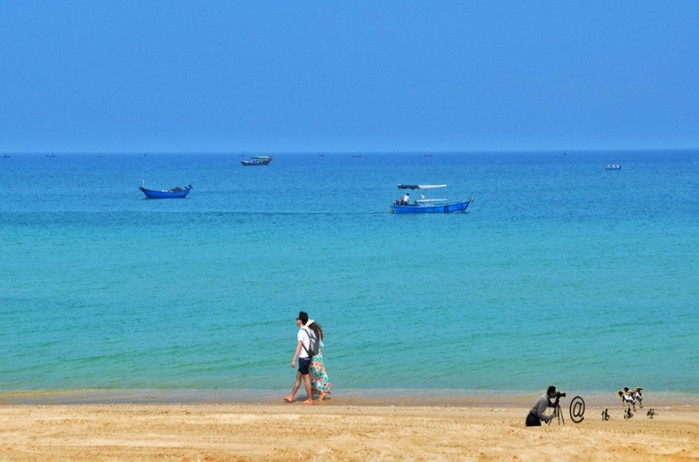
[
  {"x": 309, "y": 393},
  {"x": 297, "y": 384}
]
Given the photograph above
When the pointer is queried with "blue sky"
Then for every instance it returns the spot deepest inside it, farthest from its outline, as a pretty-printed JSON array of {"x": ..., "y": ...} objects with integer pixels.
[{"x": 326, "y": 76}]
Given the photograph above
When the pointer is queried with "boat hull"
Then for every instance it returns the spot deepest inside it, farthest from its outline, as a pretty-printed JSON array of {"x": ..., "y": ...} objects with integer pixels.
[
  {"x": 254, "y": 162},
  {"x": 432, "y": 208},
  {"x": 178, "y": 193}
]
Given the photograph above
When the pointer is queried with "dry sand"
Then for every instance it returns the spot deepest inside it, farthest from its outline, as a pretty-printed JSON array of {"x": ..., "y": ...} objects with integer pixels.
[{"x": 336, "y": 430}]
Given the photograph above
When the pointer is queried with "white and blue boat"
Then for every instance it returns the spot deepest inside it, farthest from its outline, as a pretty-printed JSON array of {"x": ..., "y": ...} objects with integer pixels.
[
  {"x": 421, "y": 204},
  {"x": 256, "y": 160}
]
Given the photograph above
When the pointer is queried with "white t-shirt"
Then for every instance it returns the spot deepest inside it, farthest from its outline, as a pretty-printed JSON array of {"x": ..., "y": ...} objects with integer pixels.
[{"x": 304, "y": 336}]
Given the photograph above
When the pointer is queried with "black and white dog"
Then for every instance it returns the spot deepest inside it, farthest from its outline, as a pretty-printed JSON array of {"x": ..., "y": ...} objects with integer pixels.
[
  {"x": 629, "y": 397},
  {"x": 637, "y": 393}
]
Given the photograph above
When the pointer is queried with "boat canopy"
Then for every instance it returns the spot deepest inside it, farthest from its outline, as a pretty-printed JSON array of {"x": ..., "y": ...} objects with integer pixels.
[{"x": 421, "y": 186}]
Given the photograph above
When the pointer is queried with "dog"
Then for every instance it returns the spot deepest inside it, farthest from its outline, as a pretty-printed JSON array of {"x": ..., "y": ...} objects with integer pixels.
[
  {"x": 627, "y": 398},
  {"x": 637, "y": 393}
]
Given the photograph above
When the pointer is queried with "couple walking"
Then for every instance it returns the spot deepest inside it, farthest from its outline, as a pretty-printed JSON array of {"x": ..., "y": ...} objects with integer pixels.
[{"x": 311, "y": 367}]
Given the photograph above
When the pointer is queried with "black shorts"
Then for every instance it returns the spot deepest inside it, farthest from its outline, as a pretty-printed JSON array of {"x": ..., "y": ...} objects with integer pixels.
[
  {"x": 304, "y": 364},
  {"x": 533, "y": 421}
]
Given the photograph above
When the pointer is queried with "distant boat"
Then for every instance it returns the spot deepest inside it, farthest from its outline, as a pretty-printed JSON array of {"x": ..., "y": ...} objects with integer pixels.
[
  {"x": 174, "y": 193},
  {"x": 424, "y": 205},
  {"x": 256, "y": 160},
  {"x": 613, "y": 167},
  {"x": 356, "y": 156},
  {"x": 5, "y": 156},
  {"x": 428, "y": 155}
]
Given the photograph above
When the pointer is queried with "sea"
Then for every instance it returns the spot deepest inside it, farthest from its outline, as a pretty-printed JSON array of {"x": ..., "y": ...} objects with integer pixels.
[{"x": 559, "y": 272}]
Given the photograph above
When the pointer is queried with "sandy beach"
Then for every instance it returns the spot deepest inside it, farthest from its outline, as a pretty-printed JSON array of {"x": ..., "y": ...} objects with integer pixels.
[{"x": 337, "y": 429}]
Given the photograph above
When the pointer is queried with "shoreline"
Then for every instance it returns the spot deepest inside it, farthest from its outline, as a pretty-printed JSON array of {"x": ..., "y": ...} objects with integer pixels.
[{"x": 372, "y": 397}]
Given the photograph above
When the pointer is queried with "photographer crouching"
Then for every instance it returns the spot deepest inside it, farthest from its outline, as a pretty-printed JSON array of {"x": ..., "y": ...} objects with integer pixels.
[{"x": 536, "y": 415}]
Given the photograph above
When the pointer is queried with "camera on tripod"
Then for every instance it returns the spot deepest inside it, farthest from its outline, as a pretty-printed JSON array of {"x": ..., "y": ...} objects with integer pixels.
[
  {"x": 557, "y": 398},
  {"x": 557, "y": 407}
]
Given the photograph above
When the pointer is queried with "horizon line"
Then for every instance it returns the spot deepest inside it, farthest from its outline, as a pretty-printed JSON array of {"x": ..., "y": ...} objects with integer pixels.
[{"x": 344, "y": 152}]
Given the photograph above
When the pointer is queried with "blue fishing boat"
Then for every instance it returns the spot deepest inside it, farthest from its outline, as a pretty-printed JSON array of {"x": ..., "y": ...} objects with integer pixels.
[
  {"x": 174, "y": 193},
  {"x": 256, "y": 160},
  {"x": 424, "y": 205}
]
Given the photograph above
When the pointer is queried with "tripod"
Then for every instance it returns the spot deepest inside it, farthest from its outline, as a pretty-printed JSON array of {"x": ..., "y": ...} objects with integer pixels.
[{"x": 557, "y": 412}]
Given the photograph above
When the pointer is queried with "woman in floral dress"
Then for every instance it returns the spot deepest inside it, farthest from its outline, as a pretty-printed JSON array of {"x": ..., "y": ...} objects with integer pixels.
[{"x": 319, "y": 377}]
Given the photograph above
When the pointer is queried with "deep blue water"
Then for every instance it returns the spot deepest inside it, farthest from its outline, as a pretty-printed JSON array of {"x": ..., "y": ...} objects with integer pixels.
[{"x": 559, "y": 272}]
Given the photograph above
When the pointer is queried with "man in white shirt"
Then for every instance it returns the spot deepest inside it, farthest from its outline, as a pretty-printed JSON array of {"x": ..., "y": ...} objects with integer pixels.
[{"x": 303, "y": 346}]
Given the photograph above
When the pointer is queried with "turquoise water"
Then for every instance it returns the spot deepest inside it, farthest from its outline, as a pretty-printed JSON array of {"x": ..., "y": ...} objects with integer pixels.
[{"x": 559, "y": 272}]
